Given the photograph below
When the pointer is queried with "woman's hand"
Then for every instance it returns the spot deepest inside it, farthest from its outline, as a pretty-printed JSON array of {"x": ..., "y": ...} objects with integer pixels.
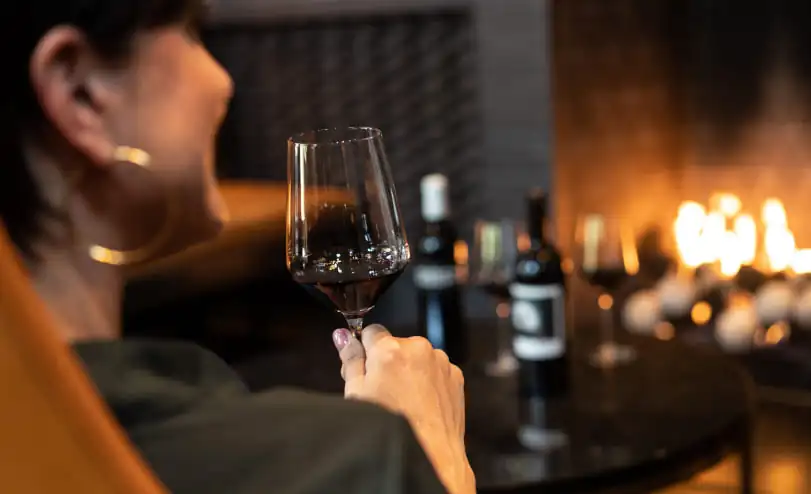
[{"x": 407, "y": 376}]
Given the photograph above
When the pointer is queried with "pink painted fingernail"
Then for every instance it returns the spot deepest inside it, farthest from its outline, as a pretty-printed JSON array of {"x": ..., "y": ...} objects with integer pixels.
[{"x": 341, "y": 338}]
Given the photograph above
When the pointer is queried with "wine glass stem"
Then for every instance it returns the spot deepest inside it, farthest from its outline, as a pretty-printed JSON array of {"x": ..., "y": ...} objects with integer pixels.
[
  {"x": 607, "y": 324},
  {"x": 355, "y": 325},
  {"x": 503, "y": 329}
]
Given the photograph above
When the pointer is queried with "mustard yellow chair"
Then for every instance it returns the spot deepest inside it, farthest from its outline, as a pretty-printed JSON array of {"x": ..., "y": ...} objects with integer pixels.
[{"x": 56, "y": 434}]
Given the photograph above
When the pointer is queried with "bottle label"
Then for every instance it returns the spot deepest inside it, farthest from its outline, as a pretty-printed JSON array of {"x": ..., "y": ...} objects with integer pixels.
[
  {"x": 428, "y": 277},
  {"x": 538, "y": 317},
  {"x": 434, "y": 191}
]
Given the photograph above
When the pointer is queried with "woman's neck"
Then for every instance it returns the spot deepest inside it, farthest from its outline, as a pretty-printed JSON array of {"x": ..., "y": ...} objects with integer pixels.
[{"x": 84, "y": 296}]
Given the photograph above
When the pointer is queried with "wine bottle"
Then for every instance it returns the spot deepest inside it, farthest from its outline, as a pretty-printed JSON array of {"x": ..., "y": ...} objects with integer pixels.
[
  {"x": 438, "y": 295},
  {"x": 538, "y": 310}
]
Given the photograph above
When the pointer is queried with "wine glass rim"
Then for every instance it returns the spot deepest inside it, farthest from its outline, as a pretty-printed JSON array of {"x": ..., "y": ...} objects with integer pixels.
[{"x": 332, "y": 136}]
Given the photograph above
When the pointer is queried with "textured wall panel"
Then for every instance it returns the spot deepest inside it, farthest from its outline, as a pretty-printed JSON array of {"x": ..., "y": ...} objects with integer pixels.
[{"x": 413, "y": 76}]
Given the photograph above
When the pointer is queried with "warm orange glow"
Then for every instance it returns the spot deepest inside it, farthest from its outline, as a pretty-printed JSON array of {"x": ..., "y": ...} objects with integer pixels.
[
  {"x": 730, "y": 254},
  {"x": 712, "y": 237},
  {"x": 776, "y": 333},
  {"x": 630, "y": 257},
  {"x": 567, "y": 265},
  {"x": 524, "y": 242},
  {"x": 701, "y": 313},
  {"x": 460, "y": 257},
  {"x": 746, "y": 230},
  {"x": 801, "y": 263},
  {"x": 692, "y": 211},
  {"x": 727, "y": 204},
  {"x": 773, "y": 214},
  {"x": 592, "y": 233},
  {"x": 739, "y": 299},
  {"x": 778, "y": 242},
  {"x": 784, "y": 474},
  {"x": 726, "y": 238},
  {"x": 460, "y": 252},
  {"x": 687, "y": 229},
  {"x": 605, "y": 301},
  {"x": 503, "y": 310},
  {"x": 664, "y": 331}
]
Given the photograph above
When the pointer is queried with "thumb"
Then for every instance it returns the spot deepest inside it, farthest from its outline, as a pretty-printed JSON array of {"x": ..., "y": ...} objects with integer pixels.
[{"x": 352, "y": 354}]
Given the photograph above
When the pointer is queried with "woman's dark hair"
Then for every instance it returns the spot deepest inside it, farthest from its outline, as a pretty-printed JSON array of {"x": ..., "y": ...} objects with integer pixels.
[{"x": 109, "y": 26}]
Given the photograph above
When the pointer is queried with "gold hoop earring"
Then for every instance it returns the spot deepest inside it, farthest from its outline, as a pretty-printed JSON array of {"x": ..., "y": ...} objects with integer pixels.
[{"x": 105, "y": 255}]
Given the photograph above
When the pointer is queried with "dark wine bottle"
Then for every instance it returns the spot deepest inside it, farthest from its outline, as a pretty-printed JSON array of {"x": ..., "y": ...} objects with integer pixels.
[
  {"x": 439, "y": 301},
  {"x": 538, "y": 310}
]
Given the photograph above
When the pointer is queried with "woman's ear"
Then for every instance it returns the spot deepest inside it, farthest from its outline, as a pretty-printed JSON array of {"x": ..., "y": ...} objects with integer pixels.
[{"x": 75, "y": 91}]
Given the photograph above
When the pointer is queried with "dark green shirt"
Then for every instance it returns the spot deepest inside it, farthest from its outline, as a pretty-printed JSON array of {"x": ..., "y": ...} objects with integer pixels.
[{"x": 203, "y": 432}]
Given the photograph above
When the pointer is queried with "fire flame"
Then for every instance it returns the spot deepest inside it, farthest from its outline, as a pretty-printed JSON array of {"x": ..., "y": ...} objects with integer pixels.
[
  {"x": 801, "y": 264},
  {"x": 727, "y": 238}
]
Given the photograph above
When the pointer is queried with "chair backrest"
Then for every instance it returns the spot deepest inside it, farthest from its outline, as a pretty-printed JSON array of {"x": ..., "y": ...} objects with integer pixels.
[{"x": 56, "y": 434}]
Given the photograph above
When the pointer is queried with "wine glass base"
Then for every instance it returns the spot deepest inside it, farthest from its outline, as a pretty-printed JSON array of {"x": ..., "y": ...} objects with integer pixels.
[
  {"x": 612, "y": 355},
  {"x": 540, "y": 439},
  {"x": 505, "y": 365}
]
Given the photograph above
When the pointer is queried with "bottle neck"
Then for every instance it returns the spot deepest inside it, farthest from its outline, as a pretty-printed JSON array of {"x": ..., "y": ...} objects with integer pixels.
[{"x": 536, "y": 221}]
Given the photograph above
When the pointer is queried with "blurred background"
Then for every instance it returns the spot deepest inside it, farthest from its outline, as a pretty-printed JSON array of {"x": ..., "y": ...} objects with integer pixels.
[{"x": 666, "y": 113}]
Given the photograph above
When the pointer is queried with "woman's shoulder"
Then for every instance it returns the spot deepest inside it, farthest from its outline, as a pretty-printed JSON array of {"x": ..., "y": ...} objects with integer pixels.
[
  {"x": 148, "y": 381},
  {"x": 202, "y": 431},
  {"x": 287, "y": 441},
  {"x": 304, "y": 416}
]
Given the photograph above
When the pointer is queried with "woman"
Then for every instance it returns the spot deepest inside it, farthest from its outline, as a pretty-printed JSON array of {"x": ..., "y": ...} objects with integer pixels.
[{"x": 111, "y": 113}]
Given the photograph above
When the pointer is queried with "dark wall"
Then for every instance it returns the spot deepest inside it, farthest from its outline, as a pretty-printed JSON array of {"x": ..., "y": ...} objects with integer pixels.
[
  {"x": 412, "y": 76},
  {"x": 730, "y": 50}
]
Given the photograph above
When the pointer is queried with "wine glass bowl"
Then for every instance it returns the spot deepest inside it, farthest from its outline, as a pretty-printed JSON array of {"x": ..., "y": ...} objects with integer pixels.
[
  {"x": 495, "y": 249},
  {"x": 345, "y": 238},
  {"x": 606, "y": 257},
  {"x": 605, "y": 251},
  {"x": 496, "y": 246}
]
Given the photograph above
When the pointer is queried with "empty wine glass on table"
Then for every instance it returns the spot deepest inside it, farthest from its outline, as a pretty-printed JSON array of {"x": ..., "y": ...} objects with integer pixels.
[
  {"x": 345, "y": 239},
  {"x": 605, "y": 253},
  {"x": 491, "y": 267}
]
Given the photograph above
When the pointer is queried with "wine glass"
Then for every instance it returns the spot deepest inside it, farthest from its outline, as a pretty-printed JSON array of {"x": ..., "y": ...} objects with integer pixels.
[
  {"x": 492, "y": 263},
  {"x": 606, "y": 255},
  {"x": 345, "y": 238}
]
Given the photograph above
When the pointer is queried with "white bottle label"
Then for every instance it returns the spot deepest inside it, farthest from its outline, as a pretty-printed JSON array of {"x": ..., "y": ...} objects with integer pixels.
[
  {"x": 428, "y": 277},
  {"x": 434, "y": 191},
  {"x": 539, "y": 320}
]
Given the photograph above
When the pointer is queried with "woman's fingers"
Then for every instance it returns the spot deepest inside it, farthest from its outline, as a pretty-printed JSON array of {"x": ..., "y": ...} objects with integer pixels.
[
  {"x": 373, "y": 334},
  {"x": 458, "y": 379},
  {"x": 352, "y": 355}
]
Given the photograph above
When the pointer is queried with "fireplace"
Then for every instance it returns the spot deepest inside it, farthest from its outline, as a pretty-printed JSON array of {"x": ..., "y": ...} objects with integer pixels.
[
  {"x": 691, "y": 119},
  {"x": 658, "y": 103}
]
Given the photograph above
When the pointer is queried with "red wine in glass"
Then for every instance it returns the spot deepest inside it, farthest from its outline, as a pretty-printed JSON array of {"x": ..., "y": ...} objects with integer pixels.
[
  {"x": 499, "y": 291},
  {"x": 352, "y": 294},
  {"x": 609, "y": 278},
  {"x": 345, "y": 239}
]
